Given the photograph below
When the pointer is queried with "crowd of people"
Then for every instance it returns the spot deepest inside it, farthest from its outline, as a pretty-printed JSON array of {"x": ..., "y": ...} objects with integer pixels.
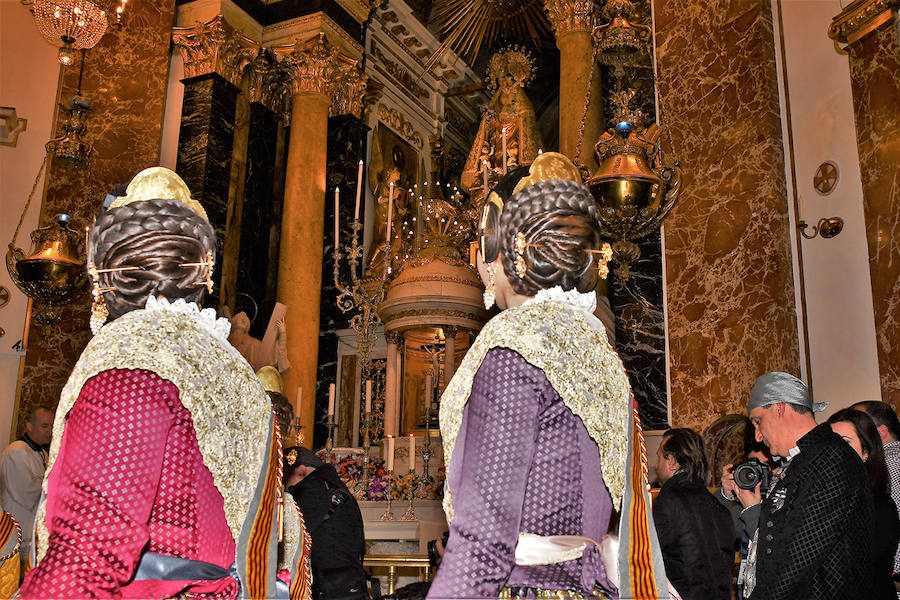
[{"x": 185, "y": 490}]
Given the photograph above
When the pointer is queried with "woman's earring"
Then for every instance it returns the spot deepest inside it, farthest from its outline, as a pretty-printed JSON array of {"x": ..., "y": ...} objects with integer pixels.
[
  {"x": 99, "y": 311},
  {"x": 489, "y": 295}
]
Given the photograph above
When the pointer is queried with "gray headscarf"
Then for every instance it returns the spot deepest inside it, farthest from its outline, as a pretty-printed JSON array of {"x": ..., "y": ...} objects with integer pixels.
[{"x": 778, "y": 386}]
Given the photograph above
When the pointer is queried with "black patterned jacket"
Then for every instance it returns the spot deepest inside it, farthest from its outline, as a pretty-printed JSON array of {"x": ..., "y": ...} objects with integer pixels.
[{"x": 816, "y": 525}]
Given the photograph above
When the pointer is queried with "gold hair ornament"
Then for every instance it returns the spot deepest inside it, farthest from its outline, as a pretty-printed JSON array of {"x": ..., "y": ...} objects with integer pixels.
[
  {"x": 489, "y": 294},
  {"x": 158, "y": 183},
  {"x": 605, "y": 253},
  {"x": 209, "y": 262},
  {"x": 99, "y": 311},
  {"x": 521, "y": 267}
]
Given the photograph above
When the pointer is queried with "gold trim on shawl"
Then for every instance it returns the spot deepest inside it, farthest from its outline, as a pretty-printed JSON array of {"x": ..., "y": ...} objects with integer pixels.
[
  {"x": 227, "y": 402},
  {"x": 580, "y": 365}
]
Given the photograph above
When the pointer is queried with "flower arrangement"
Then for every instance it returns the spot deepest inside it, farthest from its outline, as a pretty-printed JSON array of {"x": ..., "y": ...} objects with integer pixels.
[{"x": 350, "y": 470}]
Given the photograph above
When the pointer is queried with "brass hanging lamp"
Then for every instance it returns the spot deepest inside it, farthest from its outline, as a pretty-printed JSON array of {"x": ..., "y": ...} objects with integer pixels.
[{"x": 633, "y": 190}]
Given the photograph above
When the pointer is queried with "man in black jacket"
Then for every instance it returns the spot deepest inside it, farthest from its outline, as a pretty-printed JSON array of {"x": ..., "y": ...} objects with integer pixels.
[
  {"x": 334, "y": 522},
  {"x": 695, "y": 531},
  {"x": 816, "y": 521}
]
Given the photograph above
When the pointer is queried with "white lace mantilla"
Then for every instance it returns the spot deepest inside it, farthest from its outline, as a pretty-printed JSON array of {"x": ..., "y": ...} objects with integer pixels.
[
  {"x": 586, "y": 301},
  {"x": 220, "y": 327}
]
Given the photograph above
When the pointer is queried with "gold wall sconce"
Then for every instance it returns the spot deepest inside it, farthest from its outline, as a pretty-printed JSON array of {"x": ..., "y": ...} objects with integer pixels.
[{"x": 826, "y": 228}]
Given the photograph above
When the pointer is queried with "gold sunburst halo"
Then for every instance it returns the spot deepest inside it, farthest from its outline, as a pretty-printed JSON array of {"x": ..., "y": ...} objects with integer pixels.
[{"x": 471, "y": 24}]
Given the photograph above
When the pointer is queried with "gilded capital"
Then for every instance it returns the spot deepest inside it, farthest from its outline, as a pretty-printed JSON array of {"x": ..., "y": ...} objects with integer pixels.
[
  {"x": 348, "y": 92},
  {"x": 312, "y": 64},
  {"x": 393, "y": 336},
  {"x": 265, "y": 81},
  {"x": 568, "y": 16},
  {"x": 214, "y": 47},
  {"x": 861, "y": 17}
]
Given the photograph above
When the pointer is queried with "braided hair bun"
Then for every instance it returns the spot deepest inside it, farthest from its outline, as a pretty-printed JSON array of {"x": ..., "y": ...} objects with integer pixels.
[
  {"x": 158, "y": 236},
  {"x": 559, "y": 220}
]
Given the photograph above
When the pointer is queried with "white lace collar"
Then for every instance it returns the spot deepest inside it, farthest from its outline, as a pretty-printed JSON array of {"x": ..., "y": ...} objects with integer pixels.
[
  {"x": 219, "y": 327},
  {"x": 586, "y": 302}
]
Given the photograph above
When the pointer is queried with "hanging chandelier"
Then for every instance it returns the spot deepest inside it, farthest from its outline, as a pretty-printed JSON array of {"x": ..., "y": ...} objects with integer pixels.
[{"x": 75, "y": 24}]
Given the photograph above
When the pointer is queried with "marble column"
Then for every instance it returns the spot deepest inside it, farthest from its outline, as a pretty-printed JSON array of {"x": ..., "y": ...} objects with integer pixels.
[
  {"x": 319, "y": 77},
  {"x": 871, "y": 31},
  {"x": 729, "y": 279},
  {"x": 392, "y": 384},
  {"x": 450, "y": 332},
  {"x": 124, "y": 126},
  {"x": 261, "y": 200},
  {"x": 214, "y": 58},
  {"x": 572, "y": 22},
  {"x": 236, "y": 196}
]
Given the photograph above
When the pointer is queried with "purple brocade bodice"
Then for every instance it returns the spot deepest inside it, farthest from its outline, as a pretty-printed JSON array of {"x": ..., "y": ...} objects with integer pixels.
[{"x": 523, "y": 463}]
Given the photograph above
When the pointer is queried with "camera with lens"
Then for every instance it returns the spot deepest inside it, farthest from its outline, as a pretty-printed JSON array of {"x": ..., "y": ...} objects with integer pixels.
[
  {"x": 748, "y": 475},
  {"x": 435, "y": 554}
]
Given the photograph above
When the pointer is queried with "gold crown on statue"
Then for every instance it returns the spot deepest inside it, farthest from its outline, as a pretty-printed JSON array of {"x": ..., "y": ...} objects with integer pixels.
[
  {"x": 514, "y": 61},
  {"x": 158, "y": 183}
]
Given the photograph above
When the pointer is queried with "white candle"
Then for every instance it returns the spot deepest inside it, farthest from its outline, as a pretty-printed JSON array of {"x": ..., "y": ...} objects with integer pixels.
[
  {"x": 484, "y": 169},
  {"x": 330, "y": 399},
  {"x": 299, "y": 395},
  {"x": 412, "y": 452},
  {"x": 390, "y": 214},
  {"x": 504, "y": 150},
  {"x": 540, "y": 150},
  {"x": 368, "y": 395},
  {"x": 358, "y": 190},
  {"x": 389, "y": 459},
  {"x": 337, "y": 215},
  {"x": 428, "y": 393}
]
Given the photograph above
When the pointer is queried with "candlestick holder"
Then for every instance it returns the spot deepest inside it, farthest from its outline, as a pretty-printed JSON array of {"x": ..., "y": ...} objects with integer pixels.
[
  {"x": 388, "y": 514},
  {"x": 362, "y": 294},
  {"x": 329, "y": 445},
  {"x": 410, "y": 514},
  {"x": 362, "y": 487}
]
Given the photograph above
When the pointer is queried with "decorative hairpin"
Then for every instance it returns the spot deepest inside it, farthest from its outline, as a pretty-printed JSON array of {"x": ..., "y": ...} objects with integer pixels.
[
  {"x": 209, "y": 262},
  {"x": 520, "y": 244},
  {"x": 605, "y": 253}
]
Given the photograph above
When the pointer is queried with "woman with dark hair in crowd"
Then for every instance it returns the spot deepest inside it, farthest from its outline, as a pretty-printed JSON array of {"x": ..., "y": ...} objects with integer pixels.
[
  {"x": 858, "y": 430},
  {"x": 537, "y": 422},
  {"x": 164, "y": 475},
  {"x": 695, "y": 531}
]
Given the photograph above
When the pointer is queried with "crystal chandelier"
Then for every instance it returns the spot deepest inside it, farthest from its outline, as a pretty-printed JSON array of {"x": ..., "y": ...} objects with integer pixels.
[{"x": 75, "y": 24}]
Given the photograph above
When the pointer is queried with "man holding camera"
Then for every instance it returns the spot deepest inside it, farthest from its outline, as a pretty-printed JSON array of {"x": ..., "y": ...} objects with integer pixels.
[{"x": 816, "y": 519}]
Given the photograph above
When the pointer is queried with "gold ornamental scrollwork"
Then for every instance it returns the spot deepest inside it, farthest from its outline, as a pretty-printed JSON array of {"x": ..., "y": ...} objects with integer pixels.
[
  {"x": 374, "y": 94},
  {"x": 214, "y": 47},
  {"x": 406, "y": 79},
  {"x": 567, "y": 16},
  {"x": 860, "y": 18},
  {"x": 394, "y": 119}
]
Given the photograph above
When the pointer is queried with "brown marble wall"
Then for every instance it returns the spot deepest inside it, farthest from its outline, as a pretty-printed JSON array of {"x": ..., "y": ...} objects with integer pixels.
[
  {"x": 125, "y": 79},
  {"x": 730, "y": 295},
  {"x": 875, "y": 79}
]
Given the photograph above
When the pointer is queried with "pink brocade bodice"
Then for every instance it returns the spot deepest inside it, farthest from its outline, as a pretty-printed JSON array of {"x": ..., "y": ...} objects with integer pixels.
[{"x": 129, "y": 479}]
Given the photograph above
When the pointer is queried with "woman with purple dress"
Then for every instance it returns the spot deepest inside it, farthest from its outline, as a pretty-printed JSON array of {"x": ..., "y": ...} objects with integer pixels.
[{"x": 540, "y": 434}]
